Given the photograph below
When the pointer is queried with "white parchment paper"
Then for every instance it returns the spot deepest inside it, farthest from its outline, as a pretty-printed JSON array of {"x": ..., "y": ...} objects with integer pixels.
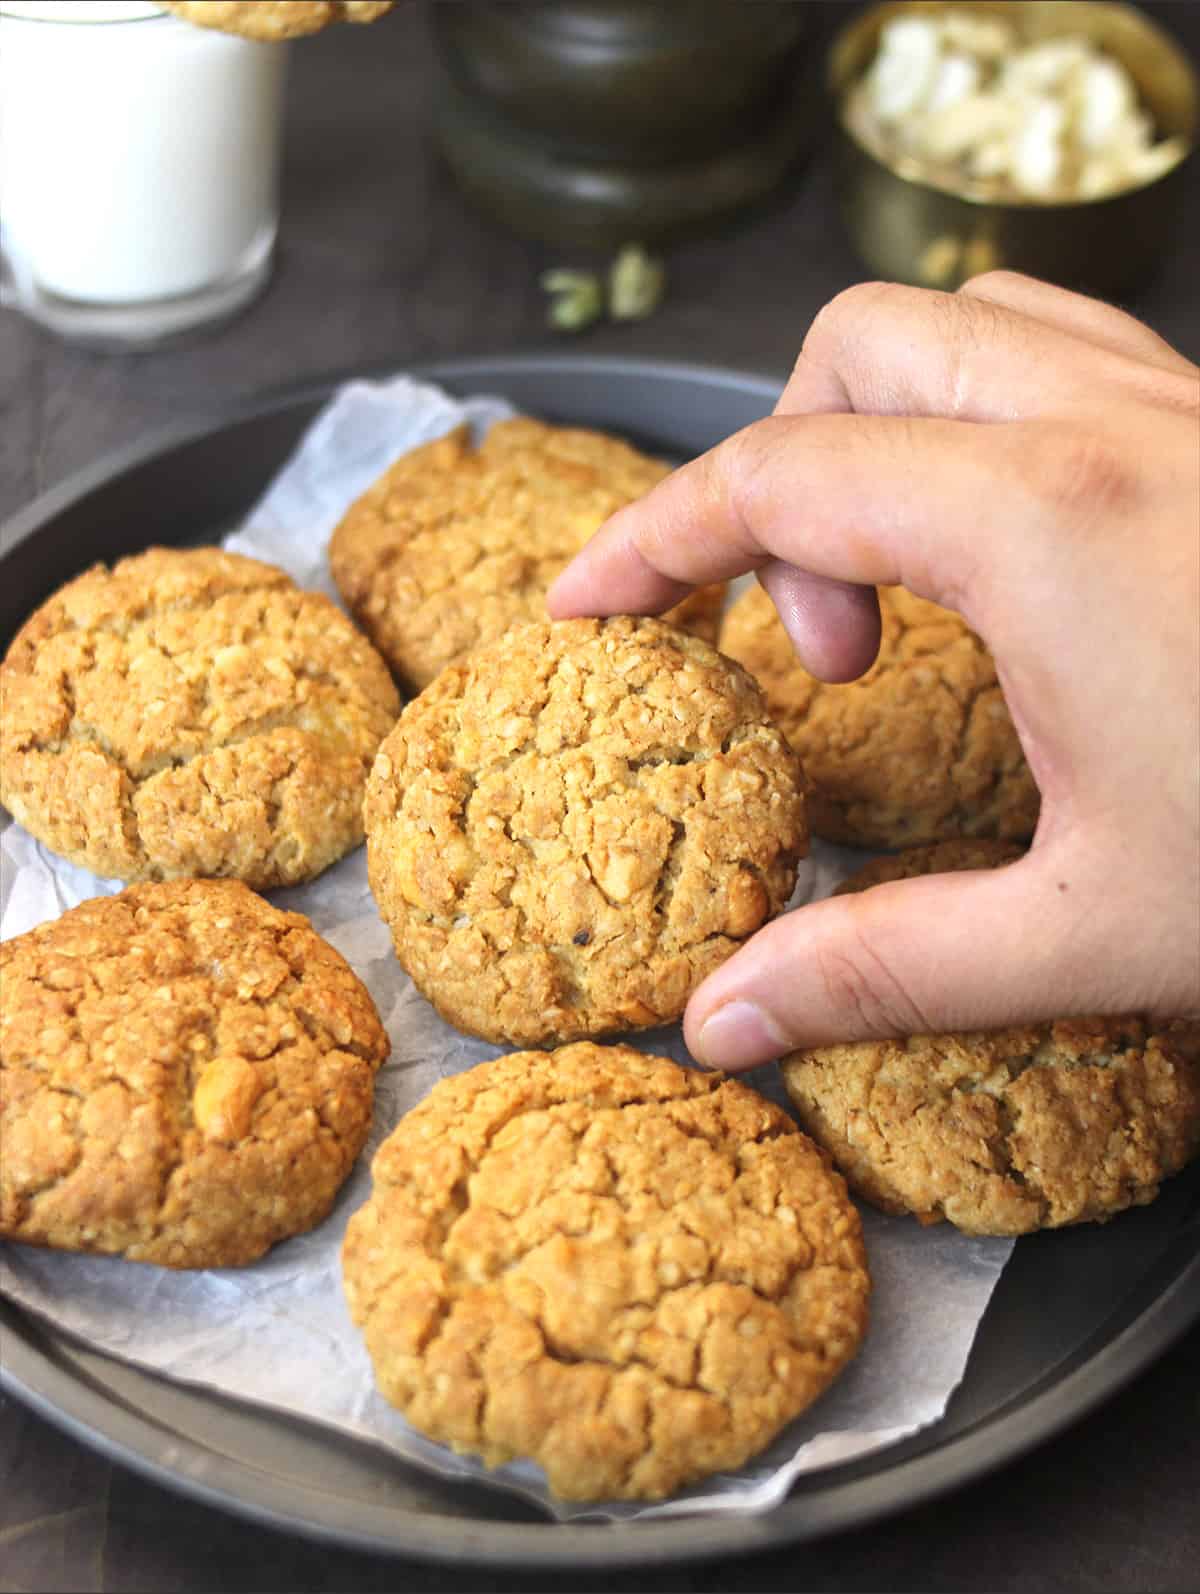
[{"x": 277, "y": 1333}]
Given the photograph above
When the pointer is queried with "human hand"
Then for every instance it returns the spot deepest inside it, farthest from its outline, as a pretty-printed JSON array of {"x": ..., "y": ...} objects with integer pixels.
[{"x": 1031, "y": 459}]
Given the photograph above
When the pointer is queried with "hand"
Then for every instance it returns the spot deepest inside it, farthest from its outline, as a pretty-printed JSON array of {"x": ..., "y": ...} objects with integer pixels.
[{"x": 1030, "y": 459}]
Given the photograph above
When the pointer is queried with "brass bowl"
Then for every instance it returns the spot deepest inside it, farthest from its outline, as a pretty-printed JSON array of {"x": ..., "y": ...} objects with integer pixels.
[{"x": 911, "y": 231}]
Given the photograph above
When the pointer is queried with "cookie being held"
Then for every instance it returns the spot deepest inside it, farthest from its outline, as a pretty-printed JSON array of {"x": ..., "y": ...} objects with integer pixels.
[
  {"x": 632, "y": 1273},
  {"x": 186, "y": 1076},
  {"x": 569, "y": 831},
  {"x": 273, "y": 21},
  {"x": 458, "y": 543},
  {"x": 1005, "y": 1131},
  {"x": 191, "y": 712},
  {"x": 920, "y": 749}
]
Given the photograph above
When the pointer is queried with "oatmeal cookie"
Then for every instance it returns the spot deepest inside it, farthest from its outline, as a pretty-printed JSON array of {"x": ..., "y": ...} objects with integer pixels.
[
  {"x": 920, "y": 749},
  {"x": 630, "y": 1272},
  {"x": 191, "y": 712},
  {"x": 186, "y": 1076},
  {"x": 568, "y": 831},
  {"x": 456, "y": 544},
  {"x": 940, "y": 857},
  {"x": 1010, "y": 1130},
  {"x": 272, "y": 21}
]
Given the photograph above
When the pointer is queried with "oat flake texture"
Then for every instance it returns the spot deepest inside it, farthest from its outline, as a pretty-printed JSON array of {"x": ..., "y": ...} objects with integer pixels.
[
  {"x": 458, "y": 542},
  {"x": 1004, "y": 1131},
  {"x": 920, "y": 749},
  {"x": 191, "y": 712},
  {"x": 186, "y": 1076},
  {"x": 566, "y": 833},
  {"x": 630, "y": 1272}
]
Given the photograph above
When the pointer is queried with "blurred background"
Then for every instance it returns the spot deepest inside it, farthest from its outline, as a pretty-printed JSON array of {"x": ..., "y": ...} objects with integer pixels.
[{"x": 382, "y": 259}]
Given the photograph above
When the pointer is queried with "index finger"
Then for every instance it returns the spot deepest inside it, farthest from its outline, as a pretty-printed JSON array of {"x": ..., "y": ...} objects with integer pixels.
[{"x": 858, "y": 498}]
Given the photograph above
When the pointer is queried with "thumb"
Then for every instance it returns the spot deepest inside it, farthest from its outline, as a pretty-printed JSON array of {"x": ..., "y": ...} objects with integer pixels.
[{"x": 976, "y": 949}]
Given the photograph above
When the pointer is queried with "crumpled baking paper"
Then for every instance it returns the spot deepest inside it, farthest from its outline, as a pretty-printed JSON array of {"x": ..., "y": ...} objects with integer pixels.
[{"x": 277, "y": 1334}]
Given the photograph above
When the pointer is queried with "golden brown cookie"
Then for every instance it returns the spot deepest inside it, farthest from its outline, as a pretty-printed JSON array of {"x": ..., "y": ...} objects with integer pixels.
[
  {"x": 191, "y": 712},
  {"x": 920, "y": 749},
  {"x": 1011, "y": 1130},
  {"x": 275, "y": 20},
  {"x": 186, "y": 1076},
  {"x": 567, "y": 832},
  {"x": 456, "y": 543},
  {"x": 940, "y": 857},
  {"x": 630, "y": 1272}
]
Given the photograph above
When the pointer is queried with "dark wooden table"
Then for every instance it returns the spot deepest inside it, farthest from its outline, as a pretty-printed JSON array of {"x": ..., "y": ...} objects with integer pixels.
[{"x": 380, "y": 263}]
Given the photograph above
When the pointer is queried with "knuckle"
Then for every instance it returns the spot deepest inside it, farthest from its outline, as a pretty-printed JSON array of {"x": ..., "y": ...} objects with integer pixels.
[
  {"x": 973, "y": 330},
  {"x": 906, "y": 346},
  {"x": 1179, "y": 391},
  {"x": 744, "y": 463},
  {"x": 1087, "y": 475},
  {"x": 841, "y": 320},
  {"x": 866, "y": 998},
  {"x": 997, "y": 284}
]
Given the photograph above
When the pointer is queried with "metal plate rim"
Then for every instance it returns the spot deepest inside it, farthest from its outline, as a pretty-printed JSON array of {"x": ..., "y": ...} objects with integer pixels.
[
  {"x": 285, "y": 1506},
  {"x": 23, "y": 522},
  {"x": 99, "y": 1420}
]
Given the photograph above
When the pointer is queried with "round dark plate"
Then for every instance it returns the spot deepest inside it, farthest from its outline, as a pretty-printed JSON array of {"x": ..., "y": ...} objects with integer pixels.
[{"x": 1076, "y": 1314}]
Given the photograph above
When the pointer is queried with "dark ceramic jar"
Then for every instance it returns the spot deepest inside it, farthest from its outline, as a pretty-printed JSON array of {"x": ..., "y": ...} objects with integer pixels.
[{"x": 598, "y": 122}]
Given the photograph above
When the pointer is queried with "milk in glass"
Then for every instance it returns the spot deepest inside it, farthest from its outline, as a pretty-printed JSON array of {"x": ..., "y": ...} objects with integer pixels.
[{"x": 139, "y": 166}]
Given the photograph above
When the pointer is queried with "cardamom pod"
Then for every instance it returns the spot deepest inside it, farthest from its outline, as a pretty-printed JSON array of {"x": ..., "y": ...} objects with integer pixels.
[
  {"x": 576, "y": 299},
  {"x": 635, "y": 284}
]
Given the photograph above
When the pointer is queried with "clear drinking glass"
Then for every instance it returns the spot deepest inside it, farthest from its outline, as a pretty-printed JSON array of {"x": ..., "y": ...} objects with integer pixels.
[{"x": 139, "y": 169}]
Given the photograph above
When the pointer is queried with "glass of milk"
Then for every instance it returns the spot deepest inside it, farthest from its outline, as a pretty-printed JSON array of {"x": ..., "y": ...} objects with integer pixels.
[{"x": 139, "y": 169}]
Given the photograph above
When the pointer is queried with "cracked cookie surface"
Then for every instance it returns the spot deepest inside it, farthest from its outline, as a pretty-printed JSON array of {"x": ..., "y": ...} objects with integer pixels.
[
  {"x": 456, "y": 544},
  {"x": 191, "y": 712},
  {"x": 272, "y": 21},
  {"x": 570, "y": 830},
  {"x": 186, "y": 1076},
  {"x": 920, "y": 749},
  {"x": 630, "y": 1272},
  {"x": 1005, "y": 1131},
  {"x": 938, "y": 857}
]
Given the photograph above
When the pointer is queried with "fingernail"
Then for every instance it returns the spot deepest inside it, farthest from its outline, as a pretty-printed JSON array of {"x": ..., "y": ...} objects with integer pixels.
[{"x": 738, "y": 1035}]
